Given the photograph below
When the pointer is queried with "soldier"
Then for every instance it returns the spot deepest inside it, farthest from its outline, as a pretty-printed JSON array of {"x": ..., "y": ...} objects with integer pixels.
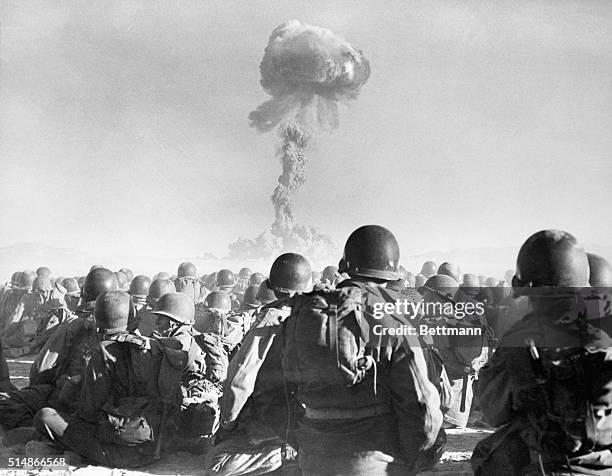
[
  {"x": 546, "y": 387},
  {"x": 73, "y": 293},
  {"x": 226, "y": 282},
  {"x": 187, "y": 282},
  {"x": 21, "y": 283},
  {"x": 369, "y": 406},
  {"x": 330, "y": 275},
  {"x": 31, "y": 315},
  {"x": 243, "y": 281},
  {"x": 145, "y": 317},
  {"x": 64, "y": 356},
  {"x": 254, "y": 408},
  {"x": 57, "y": 372},
  {"x": 139, "y": 289},
  {"x": 206, "y": 369},
  {"x": 119, "y": 424}
]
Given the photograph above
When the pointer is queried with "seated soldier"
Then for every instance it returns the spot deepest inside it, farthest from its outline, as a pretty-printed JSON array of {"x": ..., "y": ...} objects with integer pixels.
[
  {"x": 131, "y": 387},
  {"x": 547, "y": 386}
]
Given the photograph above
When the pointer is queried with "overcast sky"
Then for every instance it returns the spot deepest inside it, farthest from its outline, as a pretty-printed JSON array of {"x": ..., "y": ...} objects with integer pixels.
[{"x": 123, "y": 124}]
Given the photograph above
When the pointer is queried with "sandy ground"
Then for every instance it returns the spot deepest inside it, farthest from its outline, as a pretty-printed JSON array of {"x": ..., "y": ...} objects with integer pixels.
[{"x": 455, "y": 460}]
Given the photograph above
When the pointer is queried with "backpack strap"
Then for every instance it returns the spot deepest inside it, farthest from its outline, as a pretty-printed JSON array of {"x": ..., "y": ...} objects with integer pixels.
[{"x": 333, "y": 331}]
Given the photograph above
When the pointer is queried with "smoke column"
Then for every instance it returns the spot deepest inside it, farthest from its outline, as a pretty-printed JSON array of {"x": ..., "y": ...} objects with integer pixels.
[{"x": 306, "y": 70}]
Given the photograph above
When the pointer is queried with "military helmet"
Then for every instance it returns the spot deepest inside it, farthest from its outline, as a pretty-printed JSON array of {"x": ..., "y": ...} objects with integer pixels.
[
  {"x": 27, "y": 280},
  {"x": 491, "y": 282},
  {"x": 330, "y": 274},
  {"x": 470, "y": 281},
  {"x": 450, "y": 269},
  {"x": 245, "y": 273},
  {"x": 112, "y": 311},
  {"x": 187, "y": 269},
  {"x": 265, "y": 295},
  {"x": 428, "y": 269},
  {"x": 16, "y": 279},
  {"x": 440, "y": 284},
  {"x": 218, "y": 300},
  {"x": 256, "y": 279},
  {"x": 128, "y": 273},
  {"x": 43, "y": 271},
  {"x": 177, "y": 306},
  {"x": 159, "y": 287},
  {"x": 42, "y": 283},
  {"x": 552, "y": 258},
  {"x": 600, "y": 271},
  {"x": 225, "y": 279},
  {"x": 98, "y": 281},
  {"x": 290, "y": 272},
  {"x": 72, "y": 286},
  {"x": 373, "y": 252},
  {"x": 161, "y": 275},
  {"x": 250, "y": 297},
  {"x": 121, "y": 279},
  {"x": 139, "y": 287}
]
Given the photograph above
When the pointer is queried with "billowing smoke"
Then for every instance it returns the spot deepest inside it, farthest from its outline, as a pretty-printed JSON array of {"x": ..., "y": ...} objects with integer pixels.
[{"x": 306, "y": 70}]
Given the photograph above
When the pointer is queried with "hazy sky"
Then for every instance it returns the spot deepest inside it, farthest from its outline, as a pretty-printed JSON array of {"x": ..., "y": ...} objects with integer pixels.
[{"x": 123, "y": 124}]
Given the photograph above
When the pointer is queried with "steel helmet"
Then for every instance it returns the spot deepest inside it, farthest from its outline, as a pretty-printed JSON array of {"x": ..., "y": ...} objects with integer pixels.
[
  {"x": 27, "y": 280},
  {"x": 72, "y": 286},
  {"x": 43, "y": 271},
  {"x": 451, "y": 270},
  {"x": 128, "y": 273},
  {"x": 330, "y": 274},
  {"x": 16, "y": 279},
  {"x": 139, "y": 287},
  {"x": 226, "y": 279},
  {"x": 218, "y": 300},
  {"x": 441, "y": 284},
  {"x": 600, "y": 271},
  {"x": 159, "y": 287},
  {"x": 256, "y": 279},
  {"x": 245, "y": 273},
  {"x": 552, "y": 258},
  {"x": 97, "y": 281},
  {"x": 372, "y": 252},
  {"x": 112, "y": 311},
  {"x": 250, "y": 297},
  {"x": 42, "y": 283},
  {"x": 265, "y": 295},
  {"x": 429, "y": 269},
  {"x": 186, "y": 269},
  {"x": 177, "y": 306},
  {"x": 289, "y": 273}
]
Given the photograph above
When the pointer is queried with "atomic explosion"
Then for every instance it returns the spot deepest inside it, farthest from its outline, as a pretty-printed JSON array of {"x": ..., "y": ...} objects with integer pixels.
[{"x": 306, "y": 70}]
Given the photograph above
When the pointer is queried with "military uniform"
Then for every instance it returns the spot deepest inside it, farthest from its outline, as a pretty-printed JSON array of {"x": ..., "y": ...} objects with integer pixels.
[
  {"x": 253, "y": 407},
  {"x": 134, "y": 374},
  {"x": 382, "y": 423},
  {"x": 509, "y": 394}
]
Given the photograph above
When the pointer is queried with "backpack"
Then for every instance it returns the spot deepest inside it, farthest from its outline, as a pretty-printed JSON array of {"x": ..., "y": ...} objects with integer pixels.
[
  {"x": 324, "y": 340},
  {"x": 569, "y": 401}
]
